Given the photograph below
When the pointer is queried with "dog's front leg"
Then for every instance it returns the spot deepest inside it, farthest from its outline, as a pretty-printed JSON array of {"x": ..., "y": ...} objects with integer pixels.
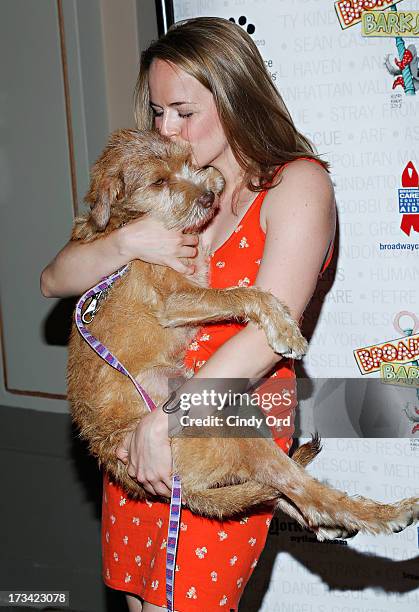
[{"x": 201, "y": 305}]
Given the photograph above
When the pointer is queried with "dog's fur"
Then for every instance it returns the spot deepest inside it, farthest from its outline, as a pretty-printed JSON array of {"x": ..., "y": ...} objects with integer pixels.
[{"x": 147, "y": 321}]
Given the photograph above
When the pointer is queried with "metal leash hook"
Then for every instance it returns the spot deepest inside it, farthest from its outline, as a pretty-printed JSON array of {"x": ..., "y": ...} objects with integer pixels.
[{"x": 94, "y": 305}]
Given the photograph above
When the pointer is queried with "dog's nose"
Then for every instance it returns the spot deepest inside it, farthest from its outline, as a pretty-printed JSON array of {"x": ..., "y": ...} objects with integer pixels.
[{"x": 206, "y": 199}]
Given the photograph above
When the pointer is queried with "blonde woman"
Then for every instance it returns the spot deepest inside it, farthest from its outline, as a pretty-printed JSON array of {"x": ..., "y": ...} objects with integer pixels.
[{"x": 205, "y": 82}]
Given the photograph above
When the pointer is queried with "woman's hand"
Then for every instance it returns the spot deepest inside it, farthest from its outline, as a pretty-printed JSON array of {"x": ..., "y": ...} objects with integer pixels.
[
  {"x": 148, "y": 239},
  {"x": 147, "y": 454}
]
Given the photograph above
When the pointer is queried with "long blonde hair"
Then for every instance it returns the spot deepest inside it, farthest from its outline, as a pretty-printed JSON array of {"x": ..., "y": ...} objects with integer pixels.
[{"x": 255, "y": 119}]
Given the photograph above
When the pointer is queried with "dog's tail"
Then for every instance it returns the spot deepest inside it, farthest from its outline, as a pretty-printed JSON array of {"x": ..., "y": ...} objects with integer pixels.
[{"x": 305, "y": 453}]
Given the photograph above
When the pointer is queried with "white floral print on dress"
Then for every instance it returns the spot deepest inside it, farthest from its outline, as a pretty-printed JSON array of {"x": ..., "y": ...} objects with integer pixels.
[
  {"x": 122, "y": 501},
  {"x": 159, "y": 522},
  {"x": 204, "y": 337},
  {"x": 243, "y": 243},
  {"x": 244, "y": 282},
  {"x": 115, "y": 556},
  {"x": 252, "y": 541},
  {"x": 183, "y": 526},
  {"x": 191, "y": 594},
  {"x": 233, "y": 560},
  {"x": 149, "y": 503},
  {"x": 222, "y": 535},
  {"x": 239, "y": 582},
  {"x": 163, "y": 544},
  {"x": 194, "y": 346},
  {"x": 138, "y": 560},
  {"x": 214, "y": 576},
  {"x": 136, "y": 520},
  {"x": 149, "y": 542},
  {"x": 223, "y": 601},
  {"x": 125, "y": 540},
  {"x": 220, "y": 264},
  {"x": 254, "y": 564},
  {"x": 113, "y": 519},
  {"x": 154, "y": 584},
  {"x": 257, "y": 262},
  {"x": 127, "y": 577},
  {"x": 201, "y": 552},
  {"x": 244, "y": 520}
]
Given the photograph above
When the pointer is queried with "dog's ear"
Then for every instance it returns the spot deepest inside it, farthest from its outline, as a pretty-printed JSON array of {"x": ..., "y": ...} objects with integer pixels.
[{"x": 104, "y": 192}]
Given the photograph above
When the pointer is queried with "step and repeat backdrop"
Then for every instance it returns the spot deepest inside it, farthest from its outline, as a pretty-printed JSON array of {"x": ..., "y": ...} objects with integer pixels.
[{"x": 348, "y": 72}]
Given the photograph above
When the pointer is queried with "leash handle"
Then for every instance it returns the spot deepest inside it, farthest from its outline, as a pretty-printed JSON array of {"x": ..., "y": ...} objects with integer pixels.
[{"x": 96, "y": 294}]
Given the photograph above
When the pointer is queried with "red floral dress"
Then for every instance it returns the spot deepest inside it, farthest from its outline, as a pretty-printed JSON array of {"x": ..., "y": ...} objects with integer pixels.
[{"x": 215, "y": 559}]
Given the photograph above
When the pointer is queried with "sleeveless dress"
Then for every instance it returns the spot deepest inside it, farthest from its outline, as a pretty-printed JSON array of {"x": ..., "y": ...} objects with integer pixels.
[{"x": 215, "y": 559}]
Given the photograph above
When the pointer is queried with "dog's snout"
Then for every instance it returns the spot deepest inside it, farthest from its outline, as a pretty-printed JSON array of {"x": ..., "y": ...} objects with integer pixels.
[{"x": 206, "y": 199}]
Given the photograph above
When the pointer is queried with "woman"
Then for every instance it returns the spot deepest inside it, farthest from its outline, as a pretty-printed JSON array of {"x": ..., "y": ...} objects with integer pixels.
[{"x": 205, "y": 82}]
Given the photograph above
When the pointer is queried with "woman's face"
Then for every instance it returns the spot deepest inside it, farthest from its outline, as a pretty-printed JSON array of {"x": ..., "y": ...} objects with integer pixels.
[{"x": 185, "y": 110}]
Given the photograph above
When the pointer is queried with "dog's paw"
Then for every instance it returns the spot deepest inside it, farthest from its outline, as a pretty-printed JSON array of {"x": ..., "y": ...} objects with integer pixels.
[{"x": 290, "y": 344}]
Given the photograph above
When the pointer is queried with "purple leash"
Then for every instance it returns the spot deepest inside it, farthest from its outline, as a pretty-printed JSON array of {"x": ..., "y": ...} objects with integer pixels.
[{"x": 98, "y": 293}]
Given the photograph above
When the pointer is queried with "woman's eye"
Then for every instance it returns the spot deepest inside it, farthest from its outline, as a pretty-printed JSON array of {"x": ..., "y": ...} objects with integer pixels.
[{"x": 186, "y": 115}]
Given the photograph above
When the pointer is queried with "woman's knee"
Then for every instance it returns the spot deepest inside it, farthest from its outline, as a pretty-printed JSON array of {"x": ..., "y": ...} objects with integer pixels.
[
  {"x": 134, "y": 603},
  {"x": 149, "y": 607}
]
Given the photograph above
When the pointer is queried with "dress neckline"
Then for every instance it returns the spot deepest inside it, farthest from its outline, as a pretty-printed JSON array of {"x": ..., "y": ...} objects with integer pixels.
[{"x": 251, "y": 205}]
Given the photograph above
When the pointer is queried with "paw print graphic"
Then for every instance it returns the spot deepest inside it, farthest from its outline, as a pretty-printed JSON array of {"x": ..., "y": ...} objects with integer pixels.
[{"x": 242, "y": 21}]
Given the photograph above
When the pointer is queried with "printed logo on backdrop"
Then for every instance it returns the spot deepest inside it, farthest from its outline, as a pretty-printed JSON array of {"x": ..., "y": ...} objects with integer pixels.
[
  {"x": 397, "y": 361},
  {"x": 409, "y": 199},
  {"x": 378, "y": 22},
  {"x": 251, "y": 29}
]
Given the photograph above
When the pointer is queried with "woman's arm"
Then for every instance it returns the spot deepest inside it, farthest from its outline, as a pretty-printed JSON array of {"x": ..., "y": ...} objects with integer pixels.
[
  {"x": 300, "y": 220},
  {"x": 79, "y": 266}
]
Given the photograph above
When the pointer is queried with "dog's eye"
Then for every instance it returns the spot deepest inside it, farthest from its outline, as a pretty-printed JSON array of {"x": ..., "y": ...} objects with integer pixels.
[{"x": 160, "y": 181}]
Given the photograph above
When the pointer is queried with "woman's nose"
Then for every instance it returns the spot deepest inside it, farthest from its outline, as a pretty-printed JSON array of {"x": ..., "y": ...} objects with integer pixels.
[{"x": 169, "y": 125}]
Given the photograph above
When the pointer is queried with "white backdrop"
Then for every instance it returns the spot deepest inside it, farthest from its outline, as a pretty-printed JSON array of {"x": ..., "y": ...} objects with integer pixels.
[{"x": 338, "y": 86}]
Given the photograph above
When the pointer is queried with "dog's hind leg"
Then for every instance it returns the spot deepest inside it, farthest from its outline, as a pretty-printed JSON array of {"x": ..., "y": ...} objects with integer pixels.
[
  {"x": 195, "y": 305},
  {"x": 327, "y": 510}
]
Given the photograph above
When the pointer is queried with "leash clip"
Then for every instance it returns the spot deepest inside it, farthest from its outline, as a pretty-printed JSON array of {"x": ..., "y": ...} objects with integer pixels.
[{"x": 94, "y": 305}]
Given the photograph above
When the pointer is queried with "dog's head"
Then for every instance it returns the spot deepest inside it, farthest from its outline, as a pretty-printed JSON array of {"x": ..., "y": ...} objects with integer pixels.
[{"x": 141, "y": 172}]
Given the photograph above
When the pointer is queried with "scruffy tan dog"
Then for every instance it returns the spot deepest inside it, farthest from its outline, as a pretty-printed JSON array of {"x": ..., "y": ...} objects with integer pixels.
[{"x": 148, "y": 320}]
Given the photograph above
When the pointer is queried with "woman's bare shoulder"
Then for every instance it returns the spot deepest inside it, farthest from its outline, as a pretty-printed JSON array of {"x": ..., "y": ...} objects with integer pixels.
[{"x": 305, "y": 185}]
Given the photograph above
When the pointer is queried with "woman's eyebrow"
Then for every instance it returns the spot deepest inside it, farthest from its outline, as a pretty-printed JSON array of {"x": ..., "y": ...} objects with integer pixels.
[{"x": 173, "y": 103}]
